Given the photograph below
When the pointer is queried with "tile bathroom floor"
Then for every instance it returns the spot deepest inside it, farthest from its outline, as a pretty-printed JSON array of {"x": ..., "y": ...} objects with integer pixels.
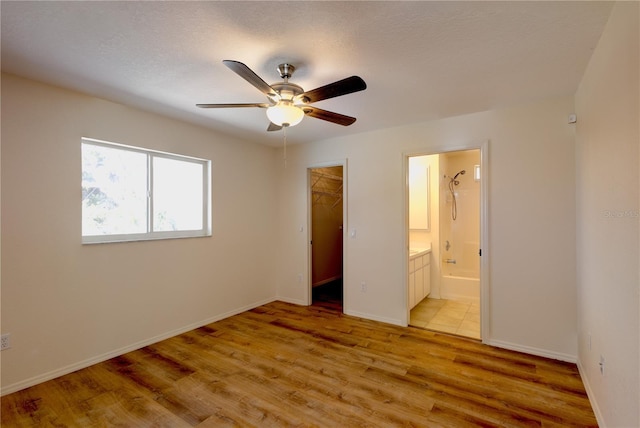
[{"x": 447, "y": 316}]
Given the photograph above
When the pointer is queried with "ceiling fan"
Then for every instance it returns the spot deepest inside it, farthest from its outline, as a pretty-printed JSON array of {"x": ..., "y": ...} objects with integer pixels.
[{"x": 287, "y": 102}]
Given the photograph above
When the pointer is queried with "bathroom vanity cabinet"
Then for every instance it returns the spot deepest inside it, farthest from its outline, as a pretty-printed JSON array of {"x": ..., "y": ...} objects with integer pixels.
[{"x": 419, "y": 275}]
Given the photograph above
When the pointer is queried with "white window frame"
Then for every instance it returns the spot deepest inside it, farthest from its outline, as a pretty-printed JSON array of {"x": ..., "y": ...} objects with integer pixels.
[{"x": 150, "y": 234}]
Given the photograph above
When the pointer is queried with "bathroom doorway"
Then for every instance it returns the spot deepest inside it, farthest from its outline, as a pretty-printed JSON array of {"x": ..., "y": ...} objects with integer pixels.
[
  {"x": 445, "y": 193},
  {"x": 326, "y": 226}
]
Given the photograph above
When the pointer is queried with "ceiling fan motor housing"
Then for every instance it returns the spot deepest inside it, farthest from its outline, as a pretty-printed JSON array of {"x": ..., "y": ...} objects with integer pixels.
[
  {"x": 286, "y": 70},
  {"x": 287, "y": 91}
]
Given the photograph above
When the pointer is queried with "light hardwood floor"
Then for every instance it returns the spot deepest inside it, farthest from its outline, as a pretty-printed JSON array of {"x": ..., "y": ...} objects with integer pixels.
[{"x": 287, "y": 365}]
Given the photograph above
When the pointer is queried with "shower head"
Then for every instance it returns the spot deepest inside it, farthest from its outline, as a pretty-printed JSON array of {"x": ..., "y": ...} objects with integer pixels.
[{"x": 463, "y": 172}]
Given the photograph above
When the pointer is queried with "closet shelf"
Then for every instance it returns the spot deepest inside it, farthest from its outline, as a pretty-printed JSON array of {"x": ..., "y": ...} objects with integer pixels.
[
  {"x": 325, "y": 175},
  {"x": 323, "y": 193},
  {"x": 326, "y": 188}
]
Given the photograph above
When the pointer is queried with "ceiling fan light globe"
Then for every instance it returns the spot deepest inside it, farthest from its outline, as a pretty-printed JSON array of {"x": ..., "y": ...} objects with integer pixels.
[{"x": 285, "y": 114}]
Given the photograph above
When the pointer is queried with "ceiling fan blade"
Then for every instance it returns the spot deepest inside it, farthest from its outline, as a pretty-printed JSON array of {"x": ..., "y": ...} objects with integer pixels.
[
  {"x": 329, "y": 116},
  {"x": 261, "y": 105},
  {"x": 247, "y": 74},
  {"x": 273, "y": 127},
  {"x": 335, "y": 89}
]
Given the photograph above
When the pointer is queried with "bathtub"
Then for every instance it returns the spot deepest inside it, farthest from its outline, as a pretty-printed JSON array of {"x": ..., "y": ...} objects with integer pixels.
[
  {"x": 461, "y": 288},
  {"x": 460, "y": 280}
]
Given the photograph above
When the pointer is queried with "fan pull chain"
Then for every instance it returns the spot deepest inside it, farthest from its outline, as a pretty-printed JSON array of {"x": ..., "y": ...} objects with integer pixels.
[{"x": 284, "y": 132}]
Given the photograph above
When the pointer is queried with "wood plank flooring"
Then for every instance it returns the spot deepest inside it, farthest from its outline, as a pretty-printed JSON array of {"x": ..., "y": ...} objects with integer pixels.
[
  {"x": 329, "y": 295},
  {"x": 287, "y": 365}
]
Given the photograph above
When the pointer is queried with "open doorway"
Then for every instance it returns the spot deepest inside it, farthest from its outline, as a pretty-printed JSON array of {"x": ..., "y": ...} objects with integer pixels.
[
  {"x": 444, "y": 275},
  {"x": 327, "y": 191}
]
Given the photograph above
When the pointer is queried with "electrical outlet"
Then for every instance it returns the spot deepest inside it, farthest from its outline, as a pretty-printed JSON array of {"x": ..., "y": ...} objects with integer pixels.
[
  {"x": 300, "y": 278},
  {"x": 363, "y": 287},
  {"x": 4, "y": 342},
  {"x": 601, "y": 365}
]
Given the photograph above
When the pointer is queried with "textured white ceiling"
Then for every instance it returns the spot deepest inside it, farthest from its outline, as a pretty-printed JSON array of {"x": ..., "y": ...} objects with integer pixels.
[{"x": 421, "y": 60}]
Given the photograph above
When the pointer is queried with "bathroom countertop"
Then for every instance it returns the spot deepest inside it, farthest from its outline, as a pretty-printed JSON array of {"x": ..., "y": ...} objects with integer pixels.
[{"x": 417, "y": 252}]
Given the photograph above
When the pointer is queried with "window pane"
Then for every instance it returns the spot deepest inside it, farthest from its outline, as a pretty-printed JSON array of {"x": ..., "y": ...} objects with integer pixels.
[
  {"x": 177, "y": 195},
  {"x": 114, "y": 191}
]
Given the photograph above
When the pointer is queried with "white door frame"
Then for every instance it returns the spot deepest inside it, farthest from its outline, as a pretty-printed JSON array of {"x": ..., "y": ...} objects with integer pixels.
[
  {"x": 343, "y": 164},
  {"x": 483, "y": 146}
]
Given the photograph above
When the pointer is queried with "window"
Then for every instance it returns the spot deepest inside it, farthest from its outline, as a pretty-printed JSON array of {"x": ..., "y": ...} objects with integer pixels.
[{"x": 133, "y": 194}]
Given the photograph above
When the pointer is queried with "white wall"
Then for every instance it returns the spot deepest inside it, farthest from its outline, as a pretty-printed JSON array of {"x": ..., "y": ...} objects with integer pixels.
[
  {"x": 531, "y": 219},
  {"x": 419, "y": 193},
  {"x": 67, "y": 305},
  {"x": 424, "y": 239},
  {"x": 608, "y": 194}
]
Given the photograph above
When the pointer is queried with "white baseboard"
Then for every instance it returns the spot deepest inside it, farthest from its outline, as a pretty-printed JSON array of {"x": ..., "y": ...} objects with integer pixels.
[
  {"x": 393, "y": 321},
  {"x": 590, "y": 394},
  {"x": 8, "y": 389},
  {"x": 385, "y": 320},
  {"x": 533, "y": 351},
  {"x": 292, "y": 301}
]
